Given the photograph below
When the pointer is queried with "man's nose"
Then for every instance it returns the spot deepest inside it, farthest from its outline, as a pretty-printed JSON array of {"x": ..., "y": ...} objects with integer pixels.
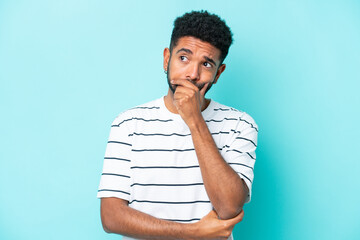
[{"x": 193, "y": 72}]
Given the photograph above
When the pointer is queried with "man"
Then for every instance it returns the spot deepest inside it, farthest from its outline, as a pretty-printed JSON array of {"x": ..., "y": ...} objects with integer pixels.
[{"x": 181, "y": 167}]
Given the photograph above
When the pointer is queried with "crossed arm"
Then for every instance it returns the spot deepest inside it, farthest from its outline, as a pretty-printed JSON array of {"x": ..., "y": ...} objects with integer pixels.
[
  {"x": 117, "y": 217},
  {"x": 226, "y": 190}
]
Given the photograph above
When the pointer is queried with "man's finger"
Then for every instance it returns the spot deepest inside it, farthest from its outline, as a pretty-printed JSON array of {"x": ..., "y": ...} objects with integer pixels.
[
  {"x": 179, "y": 95},
  {"x": 184, "y": 83},
  {"x": 236, "y": 219},
  {"x": 181, "y": 89},
  {"x": 213, "y": 214}
]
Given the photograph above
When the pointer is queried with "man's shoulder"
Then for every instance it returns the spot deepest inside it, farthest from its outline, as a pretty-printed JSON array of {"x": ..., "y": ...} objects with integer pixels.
[
  {"x": 154, "y": 104},
  {"x": 231, "y": 113},
  {"x": 138, "y": 111},
  {"x": 221, "y": 108}
]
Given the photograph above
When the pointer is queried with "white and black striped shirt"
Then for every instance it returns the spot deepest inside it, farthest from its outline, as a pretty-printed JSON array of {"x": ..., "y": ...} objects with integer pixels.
[{"x": 150, "y": 159}]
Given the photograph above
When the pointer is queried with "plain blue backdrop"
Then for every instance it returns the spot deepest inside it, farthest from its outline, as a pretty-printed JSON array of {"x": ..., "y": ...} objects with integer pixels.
[{"x": 68, "y": 68}]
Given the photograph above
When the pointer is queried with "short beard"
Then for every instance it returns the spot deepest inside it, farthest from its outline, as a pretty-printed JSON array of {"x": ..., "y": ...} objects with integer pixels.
[{"x": 168, "y": 80}]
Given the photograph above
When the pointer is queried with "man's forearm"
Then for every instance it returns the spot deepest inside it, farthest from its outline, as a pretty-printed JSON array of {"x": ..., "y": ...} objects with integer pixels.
[
  {"x": 118, "y": 218},
  {"x": 226, "y": 190}
]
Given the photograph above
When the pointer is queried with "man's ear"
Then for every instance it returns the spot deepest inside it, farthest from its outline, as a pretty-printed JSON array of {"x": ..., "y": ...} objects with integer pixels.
[
  {"x": 166, "y": 58},
  {"x": 220, "y": 70}
]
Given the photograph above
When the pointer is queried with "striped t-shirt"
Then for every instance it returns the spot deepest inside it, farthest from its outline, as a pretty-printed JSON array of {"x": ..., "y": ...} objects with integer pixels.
[{"x": 150, "y": 159}]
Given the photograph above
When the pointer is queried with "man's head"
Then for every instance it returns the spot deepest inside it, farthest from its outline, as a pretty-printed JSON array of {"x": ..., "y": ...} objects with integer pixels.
[
  {"x": 199, "y": 44},
  {"x": 204, "y": 26}
]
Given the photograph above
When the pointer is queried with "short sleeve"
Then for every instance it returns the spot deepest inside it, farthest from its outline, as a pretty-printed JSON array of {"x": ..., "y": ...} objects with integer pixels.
[
  {"x": 239, "y": 151},
  {"x": 115, "y": 177}
]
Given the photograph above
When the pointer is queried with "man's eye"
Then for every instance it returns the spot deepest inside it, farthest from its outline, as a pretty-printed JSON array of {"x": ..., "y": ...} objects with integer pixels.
[
  {"x": 183, "y": 58},
  {"x": 208, "y": 65}
]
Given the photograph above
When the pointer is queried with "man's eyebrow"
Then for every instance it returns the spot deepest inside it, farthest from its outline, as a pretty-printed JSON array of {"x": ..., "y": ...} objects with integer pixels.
[
  {"x": 184, "y": 50},
  {"x": 210, "y": 60}
]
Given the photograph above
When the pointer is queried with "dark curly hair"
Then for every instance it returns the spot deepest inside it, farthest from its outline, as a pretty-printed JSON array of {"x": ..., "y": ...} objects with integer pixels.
[{"x": 204, "y": 26}]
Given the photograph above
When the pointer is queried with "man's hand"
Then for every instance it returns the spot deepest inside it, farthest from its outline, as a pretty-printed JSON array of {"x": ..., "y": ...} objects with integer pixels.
[
  {"x": 211, "y": 227},
  {"x": 189, "y": 100}
]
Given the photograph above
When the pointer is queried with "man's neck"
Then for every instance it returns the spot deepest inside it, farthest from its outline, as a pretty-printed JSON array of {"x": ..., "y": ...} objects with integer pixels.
[{"x": 169, "y": 102}]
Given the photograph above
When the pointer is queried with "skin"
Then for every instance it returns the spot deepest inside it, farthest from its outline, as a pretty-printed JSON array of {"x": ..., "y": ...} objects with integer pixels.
[
  {"x": 192, "y": 66},
  {"x": 118, "y": 217}
]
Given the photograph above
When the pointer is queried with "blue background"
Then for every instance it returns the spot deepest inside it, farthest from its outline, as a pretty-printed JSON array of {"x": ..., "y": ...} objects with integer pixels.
[{"x": 67, "y": 68}]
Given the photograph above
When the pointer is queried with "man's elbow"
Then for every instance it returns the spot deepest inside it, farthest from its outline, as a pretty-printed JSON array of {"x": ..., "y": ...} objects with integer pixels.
[
  {"x": 234, "y": 205},
  {"x": 106, "y": 223},
  {"x": 111, "y": 211},
  {"x": 107, "y": 217},
  {"x": 106, "y": 229},
  {"x": 229, "y": 212}
]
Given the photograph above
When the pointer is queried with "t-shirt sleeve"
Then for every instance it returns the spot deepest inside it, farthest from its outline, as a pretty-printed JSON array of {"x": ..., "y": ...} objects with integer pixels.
[
  {"x": 115, "y": 178},
  {"x": 239, "y": 151}
]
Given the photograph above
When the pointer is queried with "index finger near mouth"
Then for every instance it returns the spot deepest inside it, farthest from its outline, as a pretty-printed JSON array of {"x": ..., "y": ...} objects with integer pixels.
[{"x": 184, "y": 83}]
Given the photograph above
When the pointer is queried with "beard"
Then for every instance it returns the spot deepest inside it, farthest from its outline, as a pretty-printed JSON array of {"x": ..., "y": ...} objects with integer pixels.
[{"x": 199, "y": 86}]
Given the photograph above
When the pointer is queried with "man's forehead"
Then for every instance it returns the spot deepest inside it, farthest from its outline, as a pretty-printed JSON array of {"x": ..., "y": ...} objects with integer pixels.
[{"x": 197, "y": 46}]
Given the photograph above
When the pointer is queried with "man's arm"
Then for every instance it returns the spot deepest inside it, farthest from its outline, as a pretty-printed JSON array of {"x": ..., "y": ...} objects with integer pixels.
[
  {"x": 226, "y": 190},
  {"x": 118, "y": 217}
]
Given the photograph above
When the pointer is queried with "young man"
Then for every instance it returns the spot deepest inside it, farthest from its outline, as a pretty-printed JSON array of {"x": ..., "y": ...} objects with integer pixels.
[{"x": 181, "y": 167}]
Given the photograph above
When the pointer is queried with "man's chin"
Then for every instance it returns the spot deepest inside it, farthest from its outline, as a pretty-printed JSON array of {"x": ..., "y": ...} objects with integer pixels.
[
  {"x": 200, "y": 86},
  {"x": 208, "y": 87}
]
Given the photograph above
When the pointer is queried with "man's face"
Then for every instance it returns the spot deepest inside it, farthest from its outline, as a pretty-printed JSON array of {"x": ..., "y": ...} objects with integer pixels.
[{"x": 193, "y": 60}]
